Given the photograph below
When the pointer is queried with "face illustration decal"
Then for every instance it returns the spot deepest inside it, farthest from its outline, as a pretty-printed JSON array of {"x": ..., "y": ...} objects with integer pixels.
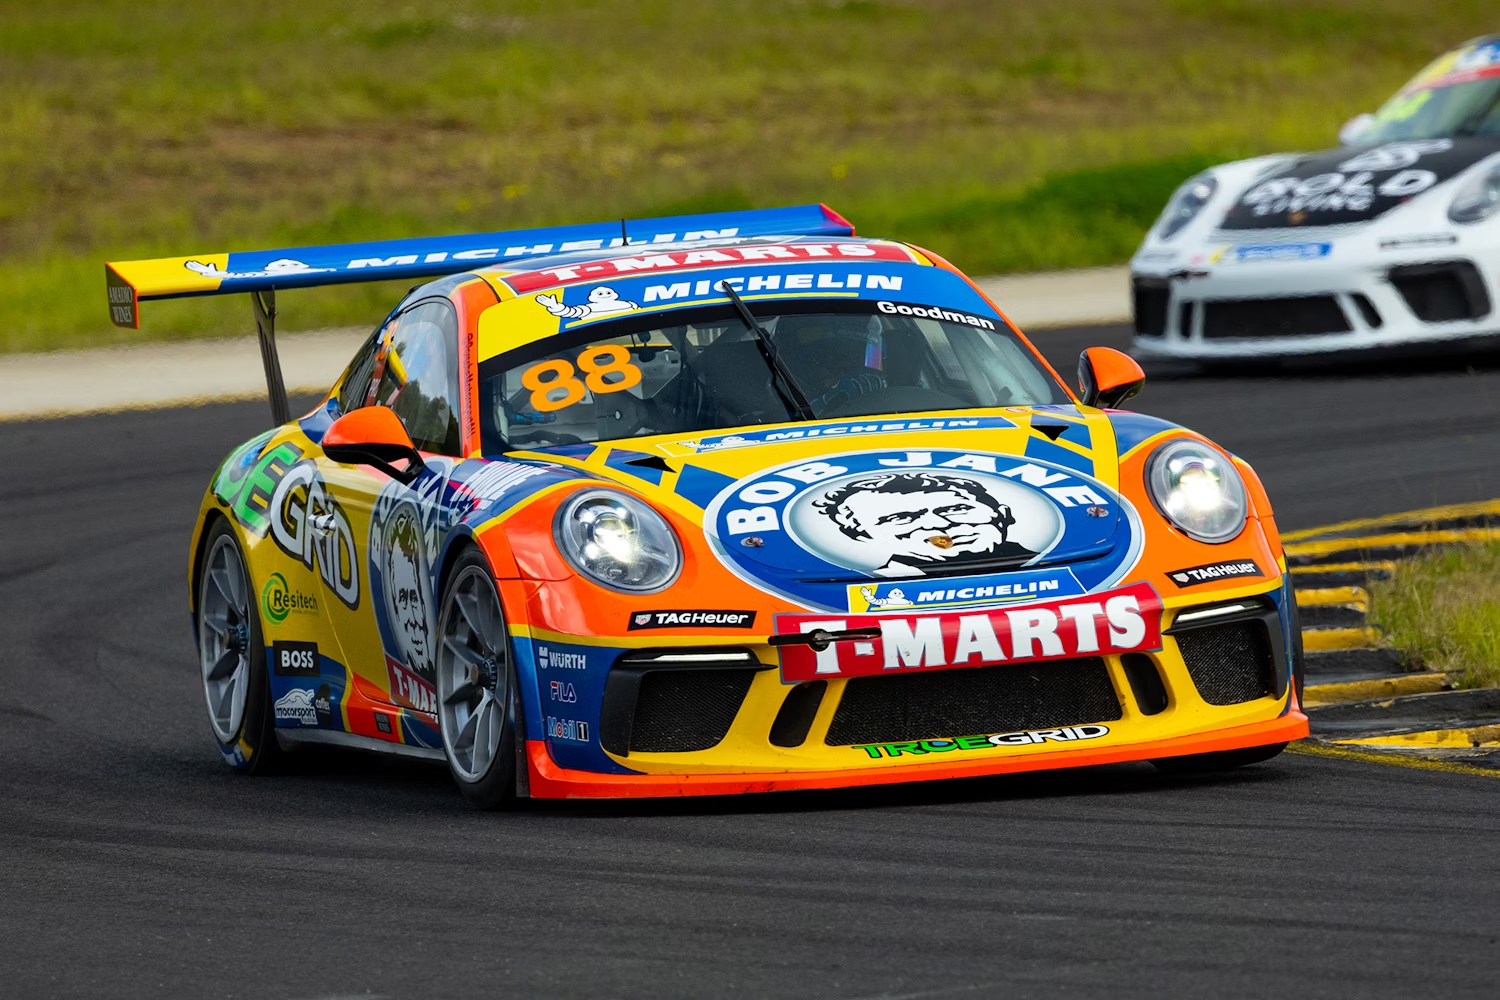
[
  {"x": 989, "y": 526},
  {"x": 603, "y": 301},
  {"x": 405, "y": 589},
  {"x": 917, "y": 518}
]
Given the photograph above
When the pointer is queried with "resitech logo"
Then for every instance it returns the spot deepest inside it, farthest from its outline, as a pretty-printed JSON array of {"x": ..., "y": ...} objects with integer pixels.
[{"x": 277, "y": 600}]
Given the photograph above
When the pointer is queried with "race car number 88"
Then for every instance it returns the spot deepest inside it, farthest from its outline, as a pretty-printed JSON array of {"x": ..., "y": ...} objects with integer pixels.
[{"x": 546, "y": 377}]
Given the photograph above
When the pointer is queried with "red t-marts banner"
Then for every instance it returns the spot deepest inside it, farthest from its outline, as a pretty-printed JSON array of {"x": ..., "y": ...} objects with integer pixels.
[
  {"x": 1127, "y": 620},
  {"x": 648, "y": 263}
]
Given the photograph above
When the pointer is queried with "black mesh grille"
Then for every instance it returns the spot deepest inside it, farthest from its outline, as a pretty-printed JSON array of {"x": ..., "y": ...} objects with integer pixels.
[
  {"x": 973, "y": 701},
  {"x": 1229, "y": 663},
  {"x": 1442, "y": 292},
  {"x": 1150, "y": 306},
  {"x": 1281, "y": 317},
  {"x": 682, "y": 710}
]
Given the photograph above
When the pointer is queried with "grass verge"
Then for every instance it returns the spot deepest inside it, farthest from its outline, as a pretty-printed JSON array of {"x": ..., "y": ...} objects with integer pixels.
[
  {"x": 1027, "y": 135},
  {"x": 1444, "y": 606}
]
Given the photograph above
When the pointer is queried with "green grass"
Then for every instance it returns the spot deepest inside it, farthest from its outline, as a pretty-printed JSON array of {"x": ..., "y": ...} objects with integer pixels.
[
  {"x": 1025, "y": 135},
  {"x": 1444, "y": 607}
]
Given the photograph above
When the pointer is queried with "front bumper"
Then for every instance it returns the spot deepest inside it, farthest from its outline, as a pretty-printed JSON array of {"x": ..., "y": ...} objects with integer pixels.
[
  {"x": 1313, "y": 307},
  {"x": 1189, "y": 697}
]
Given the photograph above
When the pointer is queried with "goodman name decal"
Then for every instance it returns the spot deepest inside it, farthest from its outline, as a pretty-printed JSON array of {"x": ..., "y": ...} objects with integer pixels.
[{"x": 1127, "y": 620}]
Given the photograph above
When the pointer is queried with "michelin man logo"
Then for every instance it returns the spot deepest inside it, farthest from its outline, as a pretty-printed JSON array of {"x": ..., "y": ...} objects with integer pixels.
[
  {"x": 603, "y": 301},
  {"x": 276, "y": 269}
]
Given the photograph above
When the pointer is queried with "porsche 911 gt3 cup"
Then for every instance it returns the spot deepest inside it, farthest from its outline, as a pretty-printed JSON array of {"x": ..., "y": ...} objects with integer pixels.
[
  {"x": 1390, "y": 242},
  {"x": 714, "y": 505}
]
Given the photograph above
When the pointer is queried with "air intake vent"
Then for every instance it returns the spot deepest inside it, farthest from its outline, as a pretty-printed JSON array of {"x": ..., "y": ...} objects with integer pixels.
[
  {"x": 1150, "y": 298},
  {"x": 1304, "y": 315},
  {"x": 1440, "y": 293},
  {"x": 678, "y": 711},
  {"x": 972, "y": 701},
  {"x": 1229, "y": 663}
]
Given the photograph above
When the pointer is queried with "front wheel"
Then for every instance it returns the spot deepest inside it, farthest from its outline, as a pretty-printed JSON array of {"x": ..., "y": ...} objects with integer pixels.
[
  {"x": 232, "y": 657},
  {"x": 476, "y": 686},
  {"x": 1222, "y": 760}
]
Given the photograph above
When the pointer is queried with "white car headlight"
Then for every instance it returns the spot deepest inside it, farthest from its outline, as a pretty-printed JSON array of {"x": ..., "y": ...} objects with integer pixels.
[
  {"x": 618, "y": 541},
  {"x": 1186, "y": 204},
  {"x": 1478, "y": 199},
  {"x": 1198, "y": 489}
]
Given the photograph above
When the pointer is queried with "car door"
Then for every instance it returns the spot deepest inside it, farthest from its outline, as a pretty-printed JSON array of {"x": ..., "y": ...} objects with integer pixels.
[{"x": 399, "y": 528}]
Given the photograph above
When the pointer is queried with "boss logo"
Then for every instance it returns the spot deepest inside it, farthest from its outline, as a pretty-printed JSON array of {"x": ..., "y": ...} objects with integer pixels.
[{"x": 294, "y": 659}]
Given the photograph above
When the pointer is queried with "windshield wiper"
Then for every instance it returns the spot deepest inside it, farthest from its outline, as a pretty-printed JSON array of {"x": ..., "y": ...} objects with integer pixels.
[{"x": 791, "y": 395}]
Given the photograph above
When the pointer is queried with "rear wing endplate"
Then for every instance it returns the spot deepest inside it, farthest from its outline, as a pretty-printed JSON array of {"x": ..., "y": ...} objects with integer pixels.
[{"x": 262, "y": 272}]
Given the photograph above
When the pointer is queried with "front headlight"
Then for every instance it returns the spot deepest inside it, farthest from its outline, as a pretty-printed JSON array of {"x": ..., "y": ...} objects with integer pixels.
[
  {"x": 1186, "y": 204},
  {"x": 618, "y": 541},
  {"x": 1478, "y": 199},
  {"x": 1198, "y": 490}
]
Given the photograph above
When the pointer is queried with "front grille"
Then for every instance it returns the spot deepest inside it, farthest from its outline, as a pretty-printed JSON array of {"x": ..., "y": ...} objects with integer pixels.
[
  {"x": 678, "y": 711},
  {"x": 1297, "y": 316},
  {"x": 1150, "y": 295},
  {"x": 1440, "y": 293},
  {"x": 1229, "y": 663},
  {"x": 972, "y": 701}
]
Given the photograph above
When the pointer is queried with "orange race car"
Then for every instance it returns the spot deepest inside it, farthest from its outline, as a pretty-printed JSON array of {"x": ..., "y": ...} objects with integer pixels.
[{"x": 720, "y": 504}]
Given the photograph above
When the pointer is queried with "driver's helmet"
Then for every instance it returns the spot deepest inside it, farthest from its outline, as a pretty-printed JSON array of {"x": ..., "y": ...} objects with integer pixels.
[{"x": 824, "y": 348}]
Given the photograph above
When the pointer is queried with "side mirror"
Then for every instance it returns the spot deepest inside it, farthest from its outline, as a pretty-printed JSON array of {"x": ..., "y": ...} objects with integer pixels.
[
  {"x": 1107, "y": 377},
  {"x": 1354, "y": 128},
  {"x": 373, "y": 435}
]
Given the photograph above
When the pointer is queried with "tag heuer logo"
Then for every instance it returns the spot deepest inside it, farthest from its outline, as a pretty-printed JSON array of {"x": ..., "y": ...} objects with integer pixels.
[{"x": 643, "y": 619}]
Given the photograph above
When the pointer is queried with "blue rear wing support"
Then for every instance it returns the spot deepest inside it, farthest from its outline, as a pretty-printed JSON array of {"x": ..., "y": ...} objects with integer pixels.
[{"x": 262, "y": 272}]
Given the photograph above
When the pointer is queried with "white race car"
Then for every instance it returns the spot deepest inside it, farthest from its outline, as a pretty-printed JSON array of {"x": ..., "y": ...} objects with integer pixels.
[{"x": 1391, "y": 241}]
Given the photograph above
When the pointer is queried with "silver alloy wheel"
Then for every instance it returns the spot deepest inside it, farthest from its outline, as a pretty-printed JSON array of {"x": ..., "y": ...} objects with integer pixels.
[
  {"x": 473, "y": 674},
  {"x": 224, "y": 637}
]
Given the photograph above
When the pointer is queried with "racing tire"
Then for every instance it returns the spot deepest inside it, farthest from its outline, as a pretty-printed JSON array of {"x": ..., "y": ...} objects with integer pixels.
[
  {"x": 476, "y": 685},
  {"x": 1221, "y": 760},
  {"x": 232, "y": 659}
]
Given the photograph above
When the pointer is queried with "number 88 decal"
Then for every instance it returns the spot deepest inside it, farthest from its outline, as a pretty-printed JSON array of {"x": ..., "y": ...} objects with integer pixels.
[{"x": 546, "y": 377}]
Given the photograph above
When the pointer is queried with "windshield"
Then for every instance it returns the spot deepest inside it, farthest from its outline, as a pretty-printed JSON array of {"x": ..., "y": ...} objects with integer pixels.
[
  {"x": 706, "y": 372},
  {"x": 1458, "y": 95}
]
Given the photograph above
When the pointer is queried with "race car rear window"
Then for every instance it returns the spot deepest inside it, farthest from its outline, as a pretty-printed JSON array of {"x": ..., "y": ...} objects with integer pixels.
[{"x": 699, "y": 370}]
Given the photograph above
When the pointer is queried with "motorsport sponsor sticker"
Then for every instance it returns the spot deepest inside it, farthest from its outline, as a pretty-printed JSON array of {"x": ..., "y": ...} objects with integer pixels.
[
  {"x": 1066, "y": 734},
  {"x": 569, "y": 730},
  {"x": 1127, "y": 620},
  {"x": 295, "y": 659},
  {"x": 564, "y": 692},
  {"x": 802, "y": 432},
  {"x": 964, "y": 592},
  {"x": 382, "y": 722},
  {"x": 278, "y": 600},
  {"x": 297, "y": 707},
  {"x": 1214, "y": 571},
  {"x": 820, "y": 532},
  {"x": 308, "y": 524},
  {"x": 691, "y": 619},
  {"x": 548, "y": 658}
]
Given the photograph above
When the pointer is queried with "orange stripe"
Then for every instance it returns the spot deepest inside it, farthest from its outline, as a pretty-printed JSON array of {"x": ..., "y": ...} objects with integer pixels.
[{"x": 549, "y": 781}]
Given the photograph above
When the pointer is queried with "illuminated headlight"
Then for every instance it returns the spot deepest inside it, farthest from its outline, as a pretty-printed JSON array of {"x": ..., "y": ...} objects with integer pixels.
[
  {"x": 1186, "y": 204},
  {"x": 1198, "y": 490},
  {"x": 618, "y": 541},
  {"x": 1478, "y": 199}
]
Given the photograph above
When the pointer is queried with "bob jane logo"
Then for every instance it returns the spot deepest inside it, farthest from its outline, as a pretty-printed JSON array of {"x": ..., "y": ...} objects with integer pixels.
[
  {"x": 810, "y": 530},
  {"x": 405, "y": 532}
]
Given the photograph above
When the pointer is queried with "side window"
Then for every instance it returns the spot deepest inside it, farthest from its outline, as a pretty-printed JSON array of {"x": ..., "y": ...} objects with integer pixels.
[
  {"x": 355, "y": 391},
  {"x": 419, "y": 376}
]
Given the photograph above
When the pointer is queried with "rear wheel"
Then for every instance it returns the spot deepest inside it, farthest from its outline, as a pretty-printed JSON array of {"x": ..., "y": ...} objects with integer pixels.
[
  {"x": 1222, "y": 760},
  {"x": 232, "y": 660},
  {"x": 476, "y": 686}
]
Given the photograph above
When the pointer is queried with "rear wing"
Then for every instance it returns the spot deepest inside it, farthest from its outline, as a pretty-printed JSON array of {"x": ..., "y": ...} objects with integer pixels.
[{"x": 262, "y": 272}]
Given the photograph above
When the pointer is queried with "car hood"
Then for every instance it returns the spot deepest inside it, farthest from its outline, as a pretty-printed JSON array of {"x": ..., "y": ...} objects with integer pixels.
[
  {"x": 1351, "y": 184},
  {"x": 925, "y": 509}
]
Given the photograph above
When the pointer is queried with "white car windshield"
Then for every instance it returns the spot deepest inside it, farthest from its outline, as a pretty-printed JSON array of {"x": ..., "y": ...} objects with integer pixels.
[
  {"x": 1459, "y": 95},
  {"x": 706, "y": 369}
]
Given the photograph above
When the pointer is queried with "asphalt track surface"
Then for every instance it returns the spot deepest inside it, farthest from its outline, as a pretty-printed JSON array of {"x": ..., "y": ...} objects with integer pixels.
[{"x": 133, "y": 863}]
